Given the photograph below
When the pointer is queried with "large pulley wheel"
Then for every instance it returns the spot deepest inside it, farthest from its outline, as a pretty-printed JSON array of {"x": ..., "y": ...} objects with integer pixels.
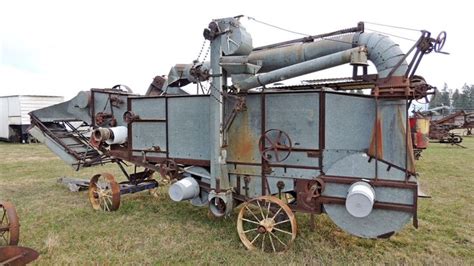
[
  {"x": 274, "y": 145},
  {"x": 104, "y": 192},
  {"x": 9, "y": 225},
  {"x": 266, "y": 223}
]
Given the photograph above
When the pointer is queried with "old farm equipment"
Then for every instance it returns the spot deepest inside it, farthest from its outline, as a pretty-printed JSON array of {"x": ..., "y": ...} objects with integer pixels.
[
  {"x": 271, "y": 150},
  {"x": 440, "y": 130},
  {"x": 9, "y": 225},
  {"x": 10, "y": 253},
  {"x": 420, "y": 127}
]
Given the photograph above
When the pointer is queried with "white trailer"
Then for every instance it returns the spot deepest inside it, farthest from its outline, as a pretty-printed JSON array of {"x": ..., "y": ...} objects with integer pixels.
[{"x": 14, "y": 118}]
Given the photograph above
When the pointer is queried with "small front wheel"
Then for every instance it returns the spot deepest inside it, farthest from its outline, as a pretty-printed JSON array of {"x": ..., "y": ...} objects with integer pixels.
[
  {"x": 266, "y": 223},
  {"x": 104, "y": 192}
]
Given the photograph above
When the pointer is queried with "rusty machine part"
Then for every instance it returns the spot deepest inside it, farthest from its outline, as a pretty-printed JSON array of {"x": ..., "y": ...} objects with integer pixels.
[
  {"x": 169, "y": 170},
  {"x": 451, "y": 138},
  {"x": 16, "y": 256},
  {"x": 266, "y": 223},
  {"x": 9, "y": 225},
  {"x": 244, "y": 141},
  {"x": 440, "y": 129},
  {"x": 104, "y": 192}
]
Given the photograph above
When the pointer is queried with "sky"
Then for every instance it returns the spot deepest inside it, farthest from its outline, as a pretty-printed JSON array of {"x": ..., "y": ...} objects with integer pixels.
[{"x": 63, "y": 47}]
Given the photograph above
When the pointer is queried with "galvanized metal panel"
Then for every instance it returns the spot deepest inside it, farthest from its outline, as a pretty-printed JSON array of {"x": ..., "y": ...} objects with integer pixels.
[
  {"x": 188, "y": 127},
  {"x": 297, "y": 114},
  {"x": 349, "y": 124},
  {"x": 148, "y": 135},
  {"x": 149, "y": 108}
]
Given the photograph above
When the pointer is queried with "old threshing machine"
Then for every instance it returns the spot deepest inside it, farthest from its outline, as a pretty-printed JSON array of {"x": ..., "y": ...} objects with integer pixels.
[{"x": 310, "y": 148}]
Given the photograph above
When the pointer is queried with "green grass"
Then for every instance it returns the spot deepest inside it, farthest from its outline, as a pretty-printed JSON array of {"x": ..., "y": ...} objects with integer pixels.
[{"x": 62, "y": 226}]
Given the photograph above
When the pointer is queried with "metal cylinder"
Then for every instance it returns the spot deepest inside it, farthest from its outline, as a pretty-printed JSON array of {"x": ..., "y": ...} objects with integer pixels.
[
  {"x": 119, "y": 135},
  {"x": 360, "y": 199},
  {"x": 101, "y": 134},
  {"x": 184, "y": 189},
  {"x": 113, "y": 135},
  {"x": 299, "y": 69}
]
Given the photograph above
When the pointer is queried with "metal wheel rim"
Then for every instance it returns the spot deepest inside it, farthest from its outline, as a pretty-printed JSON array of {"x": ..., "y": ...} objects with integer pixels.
[
  {"x": 104, "y": 192},
  {"x": 262, "y": 231},
  {"x": 9, "y": 225}
]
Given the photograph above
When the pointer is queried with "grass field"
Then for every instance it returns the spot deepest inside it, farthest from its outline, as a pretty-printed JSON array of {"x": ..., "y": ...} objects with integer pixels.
[{"x": 62, "y": 226}]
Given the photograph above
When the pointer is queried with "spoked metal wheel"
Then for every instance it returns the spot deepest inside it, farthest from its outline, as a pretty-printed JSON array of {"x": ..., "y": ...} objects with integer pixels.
[
  {"x": 266, "y": 223},
  {"x": 104, "y": 192},
  {"x": 9, "y": 225}
]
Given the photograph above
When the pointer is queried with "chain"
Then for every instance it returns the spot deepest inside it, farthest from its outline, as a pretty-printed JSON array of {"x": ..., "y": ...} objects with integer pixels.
[
  {"x": 213, "y": 96},
  {"x": 207, "y": 53},
  {"x": 202, "y": 49}
]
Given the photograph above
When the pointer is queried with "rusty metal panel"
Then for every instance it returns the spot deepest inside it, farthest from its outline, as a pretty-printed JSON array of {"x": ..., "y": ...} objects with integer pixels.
[{"x": 244, "y": 132}]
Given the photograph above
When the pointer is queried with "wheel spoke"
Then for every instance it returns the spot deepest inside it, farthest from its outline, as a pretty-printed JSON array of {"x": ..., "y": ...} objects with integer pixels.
[
  {"x": 250, "y": 230},
  {"x": 246, "y": 206},
  {"x": 261, "y": 210},
  {"x": 253, "y": 240},
  {"x": 271, "y": 242},
  {"x": 263, "y": 242},
  {"x": 282, "y": 222},
  {"x": 109, "y": 199},
  {"x": 280, "y": 133},
  {"x": 3, "y": 217},
  {"x": 277, "y": 158},
  {"x": 250, "y": 221},
  {"x": 277, "y": 238},
  {"x": 283, "y": 231},
  {"x": 269, "y": 140},
  {"x": 106, "y": 206},
  {"x": 268, "y": 209}
]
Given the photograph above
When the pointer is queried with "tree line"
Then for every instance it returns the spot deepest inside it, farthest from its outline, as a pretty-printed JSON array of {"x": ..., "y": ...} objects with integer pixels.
[{"x": 457, "y": 99}]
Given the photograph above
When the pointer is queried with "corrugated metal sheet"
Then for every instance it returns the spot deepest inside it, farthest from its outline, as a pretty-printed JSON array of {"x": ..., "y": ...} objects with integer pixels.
[
  {"x": 3, "y": 117},
  {"x": 14, "y": 109},
  {"x": 31, "y": 103}
]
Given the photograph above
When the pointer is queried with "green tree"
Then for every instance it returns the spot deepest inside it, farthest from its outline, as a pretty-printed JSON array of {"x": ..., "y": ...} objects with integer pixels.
[
  {"x": 456, "y": 99},
  {"x": 444, "y": 97},
  {"x": 435, "y": 100},
  {"x": 471, "y": 98},
  {"x": 465, "y": 97}
]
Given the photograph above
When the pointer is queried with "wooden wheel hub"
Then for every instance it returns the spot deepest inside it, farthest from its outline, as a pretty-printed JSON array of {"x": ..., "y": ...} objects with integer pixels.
[{"x": 266, "y": 225}]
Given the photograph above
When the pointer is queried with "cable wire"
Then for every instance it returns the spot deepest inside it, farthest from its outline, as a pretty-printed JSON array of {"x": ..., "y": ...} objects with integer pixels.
[
  {"x": 277, "y": 27},
  {"x": 390, "y": 26},
  {"x": 393, "y": 35}
]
